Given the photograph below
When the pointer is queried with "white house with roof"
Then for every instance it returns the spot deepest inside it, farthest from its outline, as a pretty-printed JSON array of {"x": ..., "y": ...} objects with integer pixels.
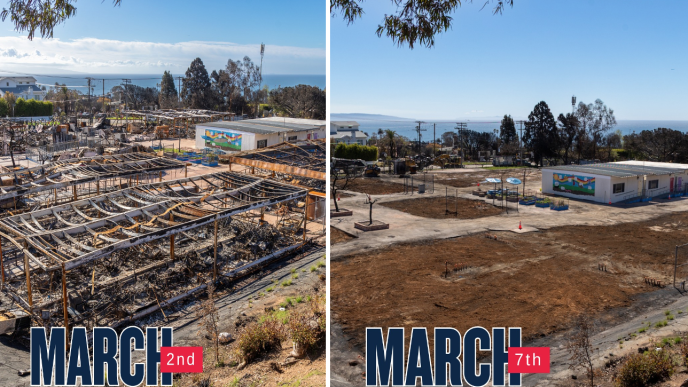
[
  {"x": 347, "y": 132},
  {"x": 22, "y": 87}
]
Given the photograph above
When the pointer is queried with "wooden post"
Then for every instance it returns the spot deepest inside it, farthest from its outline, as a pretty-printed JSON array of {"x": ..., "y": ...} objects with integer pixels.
[
  {"x": 74, "y": 191},
  {"x": 97, "y": 187},
  {"x": 305, "y": 219},
  {"x": 171, "y": 241},
  {"x": 55, "y": 190},
  {"x": 161, "y": 176},
  {"x": 215, "y": 261},
  {"x": 186, "y": 167},
  {"x": 2, "y": 264},
  {"x": 93, "y": 280},
  {"x": 64, "y": 301},
  {"x": 27, "y": 272}
]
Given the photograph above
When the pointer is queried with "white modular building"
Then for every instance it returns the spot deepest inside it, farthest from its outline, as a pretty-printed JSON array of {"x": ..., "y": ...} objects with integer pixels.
[
  {"x": 620, "y": 182},
  {"x": 244, "y": 135}
]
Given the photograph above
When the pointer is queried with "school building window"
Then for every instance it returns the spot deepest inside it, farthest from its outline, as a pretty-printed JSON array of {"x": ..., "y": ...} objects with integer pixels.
[
  {"x": 652, "y": 184},
  {"x": 619, "y": 188}
]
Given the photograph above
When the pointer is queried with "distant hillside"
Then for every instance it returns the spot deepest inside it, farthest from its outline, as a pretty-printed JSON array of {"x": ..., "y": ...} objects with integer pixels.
[{"x": 365, "y": 117}]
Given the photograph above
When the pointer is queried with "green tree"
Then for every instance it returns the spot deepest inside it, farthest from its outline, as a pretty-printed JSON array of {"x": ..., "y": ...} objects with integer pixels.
[
  {"x": 196, "y": 92},
  {"x": 42, "y": 15},
  {"x": 414, "y": 21},
  {"x": 541, "y": 132},
  {"x": 507, "y": 130},
  {"x": 4, "y": 108},
  {"x": 568, "y": 132},
  {"x": 168, "y": 92},
  {"x": 300, "y": 101}
]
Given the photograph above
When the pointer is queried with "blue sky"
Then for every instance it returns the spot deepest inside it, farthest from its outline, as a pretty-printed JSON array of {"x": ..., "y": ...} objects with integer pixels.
[
  {"x": 621, "y": 51},
  {"x": 150, "y": 36}
]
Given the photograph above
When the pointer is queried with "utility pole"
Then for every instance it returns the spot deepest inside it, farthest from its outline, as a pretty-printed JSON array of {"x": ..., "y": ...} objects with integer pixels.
[
  {"x": 418, "y": 129},
  {"x": 179, "y": 90},
  {"x": 260, "y": 85},
  {"x": 460, "y": 127},
  {"x": 434, "y": 139},
  {"x": 104, "y": 96},
  {"x": 573, "y": 105},
  {"x": 126, "y": 100},
  {"x": 520, "y": 143}
]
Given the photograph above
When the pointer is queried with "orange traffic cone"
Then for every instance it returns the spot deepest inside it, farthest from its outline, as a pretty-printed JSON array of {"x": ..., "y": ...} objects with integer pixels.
[
  {"x": 519, "y": 225},
  {"x": 339, "y": 198}
]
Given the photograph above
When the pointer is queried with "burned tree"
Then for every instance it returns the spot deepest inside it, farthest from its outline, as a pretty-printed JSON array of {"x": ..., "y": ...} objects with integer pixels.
[
  {"x": 579, "y": 346},
  {"x": 370, "y": 202},
  {"x": 343, "y": 172}
]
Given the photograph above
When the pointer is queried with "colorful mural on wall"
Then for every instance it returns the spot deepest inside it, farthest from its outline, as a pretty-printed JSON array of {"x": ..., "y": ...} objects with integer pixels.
[
  {"x": 222, "y": 140},
  {"x": 577, "y": 185}
]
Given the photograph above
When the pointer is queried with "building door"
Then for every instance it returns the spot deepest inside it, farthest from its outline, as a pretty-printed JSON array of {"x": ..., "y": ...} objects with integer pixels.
[{"x": 671, "y": 185}]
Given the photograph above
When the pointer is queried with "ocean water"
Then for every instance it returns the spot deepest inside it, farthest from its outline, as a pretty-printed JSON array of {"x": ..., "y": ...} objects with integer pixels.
[
  {"x": 79, "y": 82},
  {"x": 407, "y": 128}
]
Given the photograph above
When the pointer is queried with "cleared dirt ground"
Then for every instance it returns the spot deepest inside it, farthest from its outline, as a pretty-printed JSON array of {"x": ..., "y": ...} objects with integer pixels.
[
  {"x": 374, "y": 186},
  {"x": 338, "y": 236},
  {"x": 538, "y": 281},
  {"x": 470, "y": 179},
  {"x": 437, "y": 207}
]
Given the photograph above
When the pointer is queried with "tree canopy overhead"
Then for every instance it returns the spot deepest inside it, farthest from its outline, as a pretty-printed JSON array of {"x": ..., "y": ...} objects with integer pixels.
[
  {"x": 415, "y": 21},
  {"x": 40, "y": 15}
]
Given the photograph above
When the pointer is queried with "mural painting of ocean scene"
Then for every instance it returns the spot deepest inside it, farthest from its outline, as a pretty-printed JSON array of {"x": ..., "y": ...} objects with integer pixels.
[
  {"x": 577, "y": 185},
  {"x": 222, "y": 140}
]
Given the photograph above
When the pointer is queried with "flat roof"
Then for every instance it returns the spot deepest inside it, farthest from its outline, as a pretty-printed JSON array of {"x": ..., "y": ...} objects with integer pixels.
[
  {"x": 302, "y": 121},
  {"x": 258, "y": 126},
  {"x": 620, "y": 170}
]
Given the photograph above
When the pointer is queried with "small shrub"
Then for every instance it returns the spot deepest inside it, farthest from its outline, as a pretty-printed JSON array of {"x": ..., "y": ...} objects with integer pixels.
[
  {"x": 286, "y": 283},
  {"x": 299, "y": 299},
  {"x": 661, "y": 324},
  {"x": 293, "y": 271},
  {"x": 320, "y": 264},
  {"x": 301, "y": 331},
  {"x": 642, "y": 330},
  {"x": 256, "y": 339},
  {"x": 295, "y": 276},
  {"x": 677, "y": 340},
  {"x": 668, "y": 312},
  {"x": 670, "y": 317},
  {"x": 680, "y": 312},
  {"x": 645, "y": 369},
  {"x": 309, "y": 298},
  {"x": 313, "y": 268},
  {"x": 271, "y": 288},
  {"x": 683, "y": 349}
]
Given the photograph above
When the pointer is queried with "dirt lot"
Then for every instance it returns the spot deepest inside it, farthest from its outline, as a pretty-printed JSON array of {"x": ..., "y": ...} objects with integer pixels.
[
  {"x": 436, "y": 207},
  {"x": 538, "y": 281},
  {"x": 374, "y": 186},
  {"x": 338, "y": 236},
  {"x": 470, "y": 179}
]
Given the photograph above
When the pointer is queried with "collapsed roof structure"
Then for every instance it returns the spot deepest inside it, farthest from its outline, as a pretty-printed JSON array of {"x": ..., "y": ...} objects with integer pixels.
[
  {"x": 302, "y": 163},
  {"x": 66, "y": 180},
  {"x": 125, "y": 254}
]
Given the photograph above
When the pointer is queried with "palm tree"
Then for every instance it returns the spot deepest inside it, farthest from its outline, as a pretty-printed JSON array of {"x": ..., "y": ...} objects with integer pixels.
[
  {"x": 380, "y": 134},
  {"x": 391, "y": 135}
]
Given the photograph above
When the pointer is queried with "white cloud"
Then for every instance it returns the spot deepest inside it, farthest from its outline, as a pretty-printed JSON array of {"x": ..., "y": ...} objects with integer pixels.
[{"x": 114, "y": 56}]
